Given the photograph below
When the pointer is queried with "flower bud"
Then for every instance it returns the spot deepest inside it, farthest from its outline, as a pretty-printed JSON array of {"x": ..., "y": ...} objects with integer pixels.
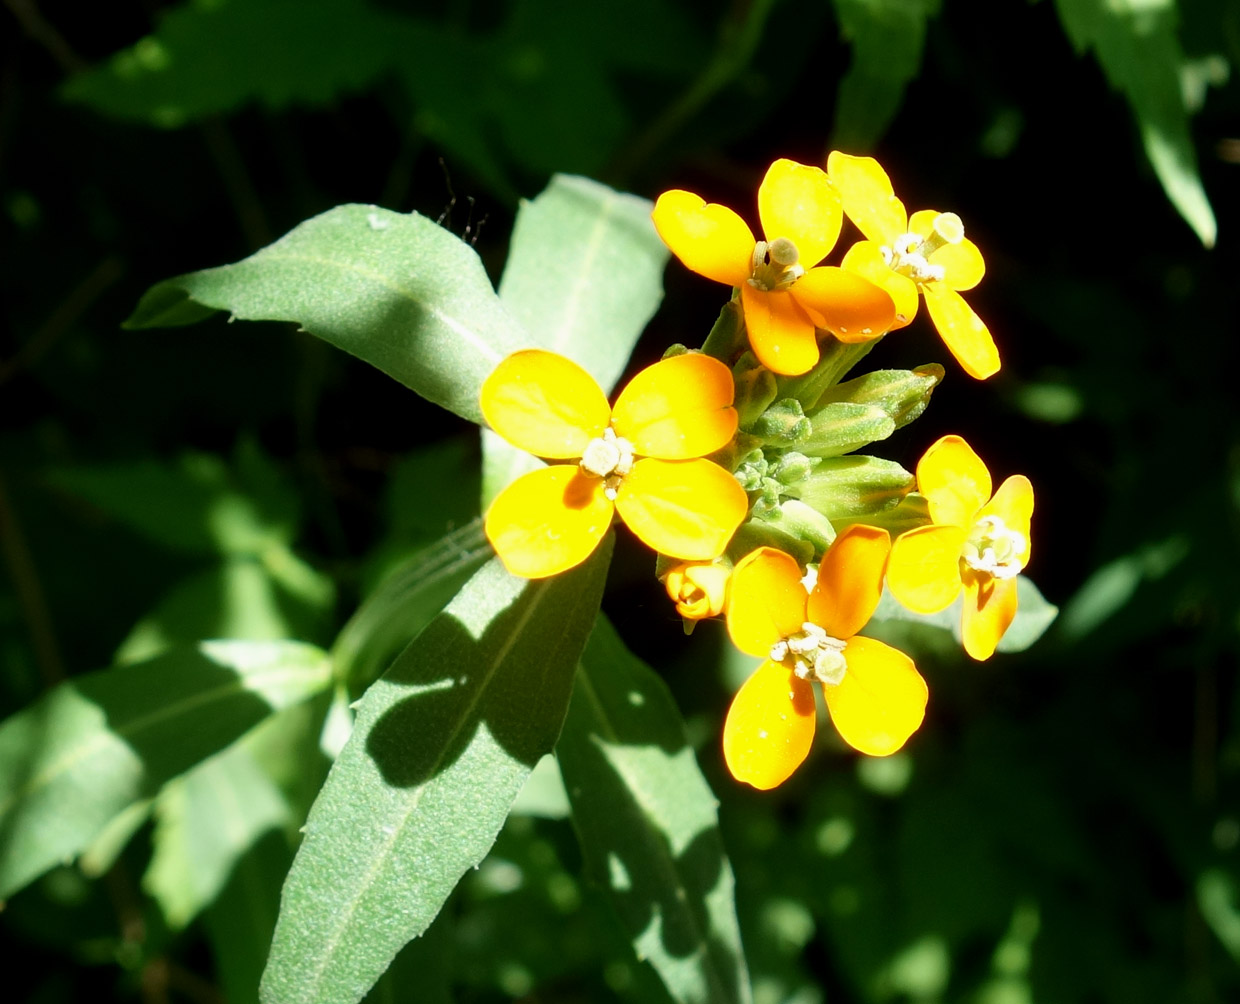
[
  {"x": 782, "y": 424},
  {"x": 842, "y": 426},
  {"x": 856, "y": 489},
  {"x": 900, "y": 394},
  {"x": 699, "y": 588}
]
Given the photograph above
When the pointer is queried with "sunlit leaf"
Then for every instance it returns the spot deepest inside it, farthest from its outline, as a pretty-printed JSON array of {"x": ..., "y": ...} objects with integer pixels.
[
  {"x": 442, "y": 745},
  {"x": 71, "y": 762},
  {"x": 648, "y": 824},
  {"x": 394, "y": 289}
]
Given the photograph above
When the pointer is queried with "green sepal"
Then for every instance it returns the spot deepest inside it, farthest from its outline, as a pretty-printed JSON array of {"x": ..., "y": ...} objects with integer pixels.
[
  {"x": 856, "y": 488},
  {"x": 911, "y": 512},
  {"x": 783, "y": 424},
  {"x": 802, "y": 522},
  {"x": 836, "y": 359},
  {"x": 755, "y": 388},
  {"x": 843, "y": 426},
  {"x": 728, "y": 337},
  {"x": 757, "y": 533},
  {"x": 900, "y": 394}
]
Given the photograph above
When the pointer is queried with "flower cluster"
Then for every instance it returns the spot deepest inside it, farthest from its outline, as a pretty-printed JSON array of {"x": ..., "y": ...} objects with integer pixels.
[{"x": 737, "y": 463}]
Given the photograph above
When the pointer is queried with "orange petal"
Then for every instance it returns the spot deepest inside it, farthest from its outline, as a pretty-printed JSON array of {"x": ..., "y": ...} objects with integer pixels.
[
  {"x": 962, "y": 331},
  {"x": 954, "y": 481},
  {"x": 989, "y": 609},
  {"x": 849, "y": 306},
  {"x": 683, "y": 508},
  {"x": 867, "y": 196},
  {"x": 549, "y": 520},
  {"x": 780, "y": 333},
  {"x": 708, "y": 238},
  {"x": 1013, "y": 503},
  {"x": 866, "y": 260},
  {"x": 799, "y": 202},
  {"x": 680, "y": 407},
  {"x": 545, "y": 404},
  {"x": 767, "y": 601},
  {"x": 770, "y": 726},
  {"x": 881, "y": 701},
  {"x": 850, "y": 580},
  {"x": 923, "y": 572}
]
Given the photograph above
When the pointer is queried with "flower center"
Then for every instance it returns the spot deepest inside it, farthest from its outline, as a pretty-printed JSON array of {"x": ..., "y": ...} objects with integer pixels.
[
  {"x": 909, "y": 254},
  {"x": 994, "y": 548},
  {"x": 609, "y": 457},
  {"x": 814, "y": 654},
  {"x": 775, "y": 265}
]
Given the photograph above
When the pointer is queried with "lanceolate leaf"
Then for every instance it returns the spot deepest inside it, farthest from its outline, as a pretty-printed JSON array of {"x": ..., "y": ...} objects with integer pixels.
[
  {"x": 394, "y": 289},
  {"x": 442, "y": 745},
  {"x": 93, "y": 746},
  {"x": 648, "y": 824}
]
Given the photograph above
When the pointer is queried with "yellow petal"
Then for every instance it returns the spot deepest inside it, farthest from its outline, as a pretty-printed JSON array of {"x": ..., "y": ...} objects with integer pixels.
[
  {"x": 989, "y": 609},
  {"x": 698, "y": 588},
  {"x": 962, "y": 331},
  {"x": 770, "y": 726},
  {"x": 954, "y": 481},
  {"x": 683, "y": 508},
  {"x": 549, "y": 520},
  {"x": 867, "y": 196},
  {"x": 850, "y": 580},
  {"x": 866, "y": 260},
  {"x": 799, "y": 202},
  {"x": 680, "y": 407},
  {"x": 780, "y": 333},
  {"x": 1013, "y": 503},
  {"x": 923, "y": 572},
  {"x": 545, "y": 404},
  {"x": 708, "y": 238},
  {"x": 881, "y": 701},
  {"x": 767, "y": 602},
  {"x": 849, "y": 306}
]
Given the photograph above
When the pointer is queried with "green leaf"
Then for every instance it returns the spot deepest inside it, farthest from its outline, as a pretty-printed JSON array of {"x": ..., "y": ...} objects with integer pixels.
[
  {"x": 443, "y": 743},
  {"x": 394, "y": 289},
  {"x": 406, "y": 601},
  {"x": 887, "y": 38},
  {"x": 648, "y": 824},
  {"x": 584, "y": 277},
  {"x": 205, "y": 821},
  {"x": 93, "y": 746},
  {"x": 1138, "y": 45}
]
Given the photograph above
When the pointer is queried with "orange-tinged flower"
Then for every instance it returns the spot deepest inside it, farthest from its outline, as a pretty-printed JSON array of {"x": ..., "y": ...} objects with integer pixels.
[
  {"x": 977, "y": 542},
  {"x": 641, "y": 459},
  {"x": 876, "y": 697},
  {"x": 783, "y": 297},
  {"x": 927, "y": 254},
  {"x": 698, "y": 588}
]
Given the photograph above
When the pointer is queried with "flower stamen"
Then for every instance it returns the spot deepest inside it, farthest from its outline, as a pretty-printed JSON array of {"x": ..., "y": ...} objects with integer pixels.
[
  {"x": 775, "y": 265},
  {"x": 609, "y": 457},
  {"x": 994, "y": 548},
  {"x": 812, "y": 654},
  {"x": 909, "y": 253}
]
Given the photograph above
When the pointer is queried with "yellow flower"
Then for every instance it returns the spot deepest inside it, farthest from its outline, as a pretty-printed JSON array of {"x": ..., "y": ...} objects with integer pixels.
[
  {"x": 783, "y": 297},
  {"x": 928, "y": 254},
  {"x": 977, "y": 542},
  {"x": 670, "y": 415},
  {"x": 698, "y": 588},
  {"x": 876, "y": 697}
]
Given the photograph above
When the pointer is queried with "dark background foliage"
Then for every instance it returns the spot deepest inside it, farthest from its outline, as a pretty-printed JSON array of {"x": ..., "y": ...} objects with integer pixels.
[{"x": 1065, "y": 827}]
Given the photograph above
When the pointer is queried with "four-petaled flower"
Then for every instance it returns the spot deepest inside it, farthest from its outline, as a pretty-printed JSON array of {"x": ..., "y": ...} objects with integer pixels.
[
  {"x": 876, "y": 697},
  {"x": 641, "y": 459},
  {"x": 976, "y": 542},
  {"x": 928, "y": 254},
  {"x": 783, "y": 298}
]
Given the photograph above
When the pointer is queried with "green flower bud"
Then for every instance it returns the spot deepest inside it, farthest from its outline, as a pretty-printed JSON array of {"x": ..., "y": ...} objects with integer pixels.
[
  {"x": 856, "y": 489},
  {"x": 728, "y": 338},
  {"x": 842, "y": 426},
  {"x": 782, "y": 424},
  {"x": 792, "y": 468},
  {"x": 756, "y": 533},
  {"x": 911, "y": 512},
  {"x": 752, "y": 471},
  {"x": 796, "y": 519},
  {"x": 901, "y": 394}
]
